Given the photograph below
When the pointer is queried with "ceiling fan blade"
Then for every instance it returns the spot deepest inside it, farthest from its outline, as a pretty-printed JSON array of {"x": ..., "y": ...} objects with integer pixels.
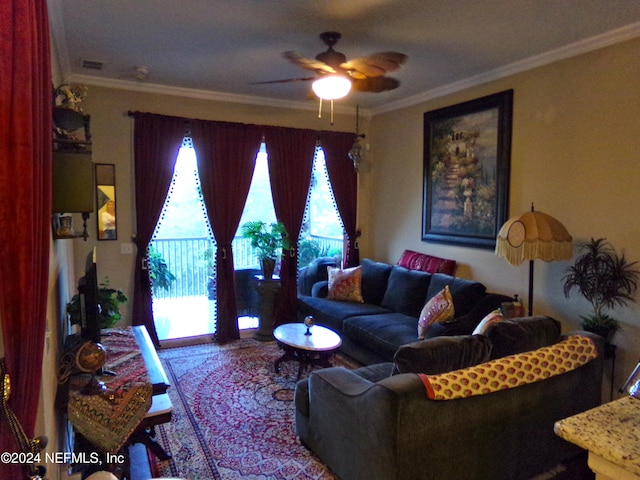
[
  {"x": 308, "y": 63},
  {"x": 285, "y": 80},
  {"x": 375, "y": 65},
  {"x": 375, "y": 84}
]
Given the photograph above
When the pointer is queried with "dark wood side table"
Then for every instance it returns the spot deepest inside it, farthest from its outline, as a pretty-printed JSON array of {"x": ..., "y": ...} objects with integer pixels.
[{"x": 312, "y": 349}]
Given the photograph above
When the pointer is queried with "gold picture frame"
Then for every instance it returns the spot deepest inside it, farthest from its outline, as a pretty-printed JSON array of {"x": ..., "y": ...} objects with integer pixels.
[{"x": 106, "y": 201}]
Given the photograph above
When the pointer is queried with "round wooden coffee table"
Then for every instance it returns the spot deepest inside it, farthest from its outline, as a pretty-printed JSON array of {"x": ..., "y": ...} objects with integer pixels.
[{"x": 308, "y": 350}]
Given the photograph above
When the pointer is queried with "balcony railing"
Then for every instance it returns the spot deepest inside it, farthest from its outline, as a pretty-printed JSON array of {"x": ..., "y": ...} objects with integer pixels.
[{"x": 191, "y": 261}]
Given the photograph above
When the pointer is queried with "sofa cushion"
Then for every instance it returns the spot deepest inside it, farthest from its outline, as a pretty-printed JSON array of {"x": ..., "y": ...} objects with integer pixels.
[
  {"x": 487, "y": 321},
  {"x": 438, "y": 309},
  {"x": 442, "y": 354},
  {"x": 465, "y": 293},
  {"x": 336, "y": 308},
  {"x": 426, "y": 263},
  {"x": 407, "y": 291},
  {"x": 345, "y": 284},
  {"x": 517, "y": 335},
  {"x": 375, "y": 276},
  {"x": 382, "y": 333}
]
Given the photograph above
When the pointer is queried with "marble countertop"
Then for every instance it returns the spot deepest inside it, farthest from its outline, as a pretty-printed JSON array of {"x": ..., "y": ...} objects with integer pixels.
[{"x": 611, "y": 431}]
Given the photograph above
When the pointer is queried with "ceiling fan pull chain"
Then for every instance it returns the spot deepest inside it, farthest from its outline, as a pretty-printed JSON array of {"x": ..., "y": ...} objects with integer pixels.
[
  {"x": 320, "y": 109},
  {"x": 332, "y": 111}
]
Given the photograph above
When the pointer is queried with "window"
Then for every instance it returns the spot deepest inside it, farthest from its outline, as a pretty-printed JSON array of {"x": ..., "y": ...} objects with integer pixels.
[
  {"x": 183, "y": 242},
  {"x": 322, "y": 231}
]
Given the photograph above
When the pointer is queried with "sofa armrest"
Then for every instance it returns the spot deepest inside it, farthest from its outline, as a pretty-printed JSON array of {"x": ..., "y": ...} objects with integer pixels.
[
  {"x": 315, "y": 272},
  {"x": 341, "y": 404},
  {"x": 320, "y": 289}
]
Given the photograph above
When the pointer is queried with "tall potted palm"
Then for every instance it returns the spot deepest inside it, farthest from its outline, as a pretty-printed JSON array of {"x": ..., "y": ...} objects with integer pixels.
[
  {"x": 605, "y": 279},
  {"x": 268, "y": 241}
]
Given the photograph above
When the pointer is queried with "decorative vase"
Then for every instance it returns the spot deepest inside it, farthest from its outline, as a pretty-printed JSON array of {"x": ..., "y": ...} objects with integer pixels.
[{"x": 268, "y": 267}]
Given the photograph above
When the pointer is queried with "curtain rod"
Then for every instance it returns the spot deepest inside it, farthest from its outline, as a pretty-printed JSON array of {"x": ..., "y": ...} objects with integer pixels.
[{"x": 131, "y": 113}]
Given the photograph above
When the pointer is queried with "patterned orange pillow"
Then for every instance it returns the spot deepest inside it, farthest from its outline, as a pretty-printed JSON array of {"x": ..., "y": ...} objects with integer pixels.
[
  {"x": 345, "y": 284},
  {"x": 438, "y": 309},
  {"x": 486, "y": 322},
  {"x": 511, "y": 371}
]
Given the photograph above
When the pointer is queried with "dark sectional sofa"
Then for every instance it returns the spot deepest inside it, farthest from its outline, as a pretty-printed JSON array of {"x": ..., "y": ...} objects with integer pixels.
[
  {"x": 394, "y": 296},
  {"x": 380, "y": 422}
]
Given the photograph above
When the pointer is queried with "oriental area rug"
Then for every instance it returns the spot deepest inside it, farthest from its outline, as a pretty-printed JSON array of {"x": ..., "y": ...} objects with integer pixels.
[{"x": 233, "y": 416}]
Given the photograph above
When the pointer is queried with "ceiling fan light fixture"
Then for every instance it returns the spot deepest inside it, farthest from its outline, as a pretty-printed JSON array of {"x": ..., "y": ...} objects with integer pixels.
[{"x": 331, "y": 87}]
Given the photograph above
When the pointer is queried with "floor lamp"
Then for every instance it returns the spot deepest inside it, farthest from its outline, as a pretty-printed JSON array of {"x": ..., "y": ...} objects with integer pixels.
[{"x": 531, "y": 236}]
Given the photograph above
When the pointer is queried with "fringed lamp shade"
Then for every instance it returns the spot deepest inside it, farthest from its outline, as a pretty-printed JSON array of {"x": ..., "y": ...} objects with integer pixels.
[{"x": 531, "y": 236}]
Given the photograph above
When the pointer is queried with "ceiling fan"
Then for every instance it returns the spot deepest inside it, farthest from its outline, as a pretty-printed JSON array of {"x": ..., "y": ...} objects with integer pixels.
[{"x": 366, "y": 74}]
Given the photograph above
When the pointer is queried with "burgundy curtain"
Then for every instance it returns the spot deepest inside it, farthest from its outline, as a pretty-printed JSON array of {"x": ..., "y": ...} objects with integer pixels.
[
  {"x": 344, "y": 183},
  {"x": 291, "y": 153},
  {"x": 25, "y": 206},
  {"x": 157, "y": 140},
  {"x": 226, "y": 154}
]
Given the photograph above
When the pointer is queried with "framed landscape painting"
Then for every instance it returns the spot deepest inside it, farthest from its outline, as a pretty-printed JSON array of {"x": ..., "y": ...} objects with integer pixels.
[{"x": 467, "y": 156}]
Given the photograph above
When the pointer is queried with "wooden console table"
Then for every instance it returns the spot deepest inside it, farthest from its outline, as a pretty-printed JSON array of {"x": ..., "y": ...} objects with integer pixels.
[{"x": 135, "y": 399}]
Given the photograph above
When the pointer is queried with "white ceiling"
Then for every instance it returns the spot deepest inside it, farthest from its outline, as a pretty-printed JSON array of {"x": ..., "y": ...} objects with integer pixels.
[{"x": 216, "y": 48}]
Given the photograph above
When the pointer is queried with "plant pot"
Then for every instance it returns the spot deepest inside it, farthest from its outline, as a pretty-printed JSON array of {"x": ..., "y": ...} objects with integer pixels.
[
  {"x": 605, "y": 332},
  {"x": 268, "y": 267}
]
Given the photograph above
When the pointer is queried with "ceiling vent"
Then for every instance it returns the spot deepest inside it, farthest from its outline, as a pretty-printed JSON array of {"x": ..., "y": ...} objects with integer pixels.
[{"x": 91, "y": 64}]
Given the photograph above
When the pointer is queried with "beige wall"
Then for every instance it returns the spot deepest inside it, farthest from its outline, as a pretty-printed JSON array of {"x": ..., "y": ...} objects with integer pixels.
[{"x": 575, "y": 154}]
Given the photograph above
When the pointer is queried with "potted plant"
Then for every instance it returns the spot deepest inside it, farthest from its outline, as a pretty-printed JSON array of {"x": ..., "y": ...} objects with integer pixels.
[
  {"x": 109, "y": 300},
  {"x": 605, "y": 279},
  {"x": 268, "y": 241},
  {"x": 161, "y": 276},
  {"x": 210, "y": 265}
]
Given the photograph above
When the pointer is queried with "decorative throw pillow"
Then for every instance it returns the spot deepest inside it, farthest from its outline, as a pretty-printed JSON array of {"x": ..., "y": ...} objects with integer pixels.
[
  {"x": 438, "y": 309},
  {"x": 345, "y": 284},
  {"x": 512, "y": 371},
  {"x": 486, "y": 322}
]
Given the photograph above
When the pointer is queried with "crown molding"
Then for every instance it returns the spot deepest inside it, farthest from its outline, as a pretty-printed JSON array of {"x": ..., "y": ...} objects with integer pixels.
[
  {"x": 200, "y": 94},
  {"x": 571, "y": 50}
]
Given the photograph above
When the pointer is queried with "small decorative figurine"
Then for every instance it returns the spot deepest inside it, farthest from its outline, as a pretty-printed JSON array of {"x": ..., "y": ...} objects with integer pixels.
[{"x": 308, "y": 321}]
